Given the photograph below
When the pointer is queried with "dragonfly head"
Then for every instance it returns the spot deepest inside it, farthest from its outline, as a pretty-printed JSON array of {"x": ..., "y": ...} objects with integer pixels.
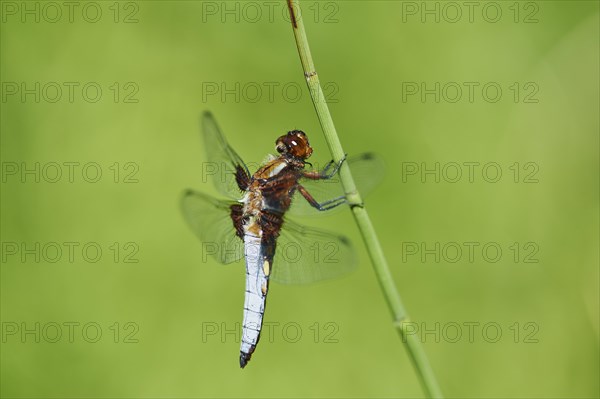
[{"x": 294, "y": 144}]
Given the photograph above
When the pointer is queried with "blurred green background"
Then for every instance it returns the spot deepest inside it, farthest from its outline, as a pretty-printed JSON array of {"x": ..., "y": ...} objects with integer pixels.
[{"x": 157, "y": 64}]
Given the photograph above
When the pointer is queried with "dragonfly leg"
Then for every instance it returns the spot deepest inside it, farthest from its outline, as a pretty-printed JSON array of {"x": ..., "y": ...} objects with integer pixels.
[
  {"x": 325, "y": 174},
  {"x": 321, "y": 206}
]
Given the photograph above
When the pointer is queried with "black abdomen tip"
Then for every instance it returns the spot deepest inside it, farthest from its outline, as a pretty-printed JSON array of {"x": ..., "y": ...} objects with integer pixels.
[{"x": 244, "y": 359}]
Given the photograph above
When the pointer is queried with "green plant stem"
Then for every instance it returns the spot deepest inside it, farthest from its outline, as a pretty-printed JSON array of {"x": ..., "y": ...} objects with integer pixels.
[{"x": 399, "y": 314}]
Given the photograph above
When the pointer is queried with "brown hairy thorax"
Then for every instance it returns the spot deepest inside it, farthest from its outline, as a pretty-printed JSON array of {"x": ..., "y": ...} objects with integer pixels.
[{"x": 272, "y": 186}]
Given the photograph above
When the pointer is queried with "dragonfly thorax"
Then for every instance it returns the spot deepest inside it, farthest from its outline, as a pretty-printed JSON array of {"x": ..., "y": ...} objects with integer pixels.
[{"x": 273, "y": 185}]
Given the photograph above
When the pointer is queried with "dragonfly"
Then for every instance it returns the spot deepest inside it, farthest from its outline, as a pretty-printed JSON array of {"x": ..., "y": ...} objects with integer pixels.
[{"x": 252, "y": 223}]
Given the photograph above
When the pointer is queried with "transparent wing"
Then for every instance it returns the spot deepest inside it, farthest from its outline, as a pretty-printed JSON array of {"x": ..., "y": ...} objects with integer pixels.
[
  {"x": 223, "y": 161},
  {"x": 210, "y": 219},
  {"x": 367, "y": 171},
  {"x": 305, "y": 255}
]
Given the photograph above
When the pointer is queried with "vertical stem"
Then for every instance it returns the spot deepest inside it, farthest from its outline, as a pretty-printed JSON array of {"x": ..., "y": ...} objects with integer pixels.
[{"x": 382, "y": 271}]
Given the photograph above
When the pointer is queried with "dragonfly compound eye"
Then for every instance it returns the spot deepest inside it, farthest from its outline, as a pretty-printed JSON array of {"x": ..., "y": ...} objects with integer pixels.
[{"x": 294, "y": 143}]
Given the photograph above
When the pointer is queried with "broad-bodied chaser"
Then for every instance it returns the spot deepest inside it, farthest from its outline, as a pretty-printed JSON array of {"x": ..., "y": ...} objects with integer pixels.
[{"x": 253, "y": 224}]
